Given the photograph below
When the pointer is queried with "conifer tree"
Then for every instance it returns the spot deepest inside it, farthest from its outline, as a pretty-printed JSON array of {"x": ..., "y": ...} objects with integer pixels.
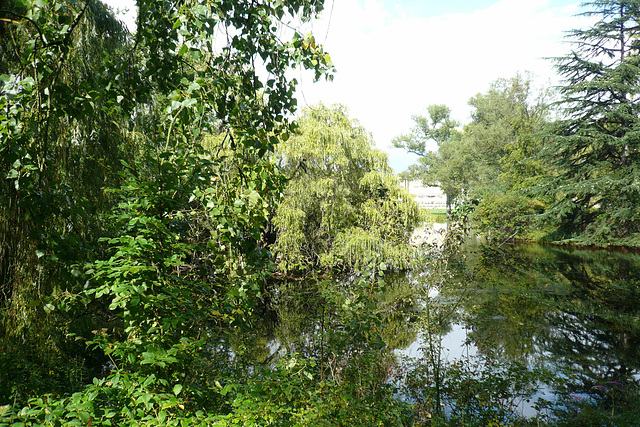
[{"x": 596, "y": 146}]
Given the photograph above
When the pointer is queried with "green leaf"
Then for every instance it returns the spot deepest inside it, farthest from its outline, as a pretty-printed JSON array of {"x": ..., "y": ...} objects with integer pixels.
[
  {"x": 177, "y": 389},
  {"x": 189, "y": 102}
]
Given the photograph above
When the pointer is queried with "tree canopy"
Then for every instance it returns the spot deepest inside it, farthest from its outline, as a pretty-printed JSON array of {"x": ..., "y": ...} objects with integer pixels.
[
  {"x": 595, "y": 145},
  {"x": 492, "y": 152},
  {"x": 136, "y": 186},
  {"x": 342, "y": 206},
  {"x": 155, "y": 192}
]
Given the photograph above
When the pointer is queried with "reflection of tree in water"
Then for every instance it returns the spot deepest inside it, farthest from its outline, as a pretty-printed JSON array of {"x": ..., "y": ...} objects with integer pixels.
[
  {"x": 577, "y": 308},
  {"x": 585, "y": 346},
  {"x": 301, "y": 318},
  {"x": 509, "y": 297},
  {"x": 507, "y": 325},
  {"x": 597, "y": 331}
]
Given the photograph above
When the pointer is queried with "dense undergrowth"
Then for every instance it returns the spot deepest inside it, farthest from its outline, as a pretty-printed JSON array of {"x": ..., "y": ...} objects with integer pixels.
[{"x": 148, "y": 220}]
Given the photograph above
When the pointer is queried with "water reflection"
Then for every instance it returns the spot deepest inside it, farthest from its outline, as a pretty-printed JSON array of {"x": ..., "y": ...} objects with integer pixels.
[
  {"x": 575, "y": 312},
  {"x": 547, "y": 304},
  {"x": 455, "y": 345}
]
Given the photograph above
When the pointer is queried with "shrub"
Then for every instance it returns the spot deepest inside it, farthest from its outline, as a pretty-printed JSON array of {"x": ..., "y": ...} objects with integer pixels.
[{"x": 506, "y": 215}]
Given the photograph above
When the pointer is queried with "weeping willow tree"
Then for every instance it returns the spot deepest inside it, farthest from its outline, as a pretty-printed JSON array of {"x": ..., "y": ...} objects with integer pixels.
[
  {"x": 342, "y": 207},
  {"x": 62, "y": 135}
]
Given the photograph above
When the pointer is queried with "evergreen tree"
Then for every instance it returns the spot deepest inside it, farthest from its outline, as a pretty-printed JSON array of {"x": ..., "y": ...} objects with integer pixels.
[{"x": 596, "y": 146}]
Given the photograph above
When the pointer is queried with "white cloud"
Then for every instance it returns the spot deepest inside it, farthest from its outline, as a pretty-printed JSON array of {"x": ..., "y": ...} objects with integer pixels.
[{"x": 391, "y": 66}]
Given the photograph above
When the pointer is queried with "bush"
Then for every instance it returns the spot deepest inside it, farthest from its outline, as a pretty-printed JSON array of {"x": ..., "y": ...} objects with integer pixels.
[{"x": 504, "y": 216}]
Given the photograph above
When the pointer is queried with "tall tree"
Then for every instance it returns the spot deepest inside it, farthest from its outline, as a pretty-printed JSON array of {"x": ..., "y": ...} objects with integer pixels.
[
  {"x": 504, "y": 127},
  {"x": 111, "y": 208},
  {"x": 62, "y": 135},
  {"x": 493, "y": 152},
  {"x": 504, "y": 140},
  {"x": 428, "y": 132},
  {"x": 432, "y": 139},
  {"x": 342, "y": 206},
  {"x": 596, "y": 147}
]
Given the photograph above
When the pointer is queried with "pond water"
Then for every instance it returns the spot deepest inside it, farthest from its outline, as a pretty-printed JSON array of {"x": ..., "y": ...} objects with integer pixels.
[
  {"x": 574, "y": 309},
  {"x": 572, "y": 314}
]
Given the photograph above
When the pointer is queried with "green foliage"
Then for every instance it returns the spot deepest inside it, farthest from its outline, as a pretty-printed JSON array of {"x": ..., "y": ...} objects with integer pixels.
[
  {"x": 145, "y": 251},
  {"x": 185, "y": 257},
  {"x": 118, "y": 231},
  {"x": 342, "y": 207},
  {"x": 32, "y": 370},
  {"x": 119, "y": 400},
  {"x": 495, "y": 152},
  {"x": 61, "y": 138},
  {"x": 438, "y": 128},
  {"x": 506, "y": 216},
  {"x": 290, "y": 394},
  {"x": 138, "y": 205},
  {"x": 594, "y": 148},
  {"x": 348, "y": 383},
  {"x": 475, "y": 392},
  {"x": 606, "y": 403},
  {"x": 434, "y": 169},
  {"x": 504, "y": 133},
  {"x": 343, "y": 379},
  {"x": 360, "y": 249}
]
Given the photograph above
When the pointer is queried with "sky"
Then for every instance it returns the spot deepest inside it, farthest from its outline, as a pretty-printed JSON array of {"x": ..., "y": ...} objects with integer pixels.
[{"x": 395, "y": 58}]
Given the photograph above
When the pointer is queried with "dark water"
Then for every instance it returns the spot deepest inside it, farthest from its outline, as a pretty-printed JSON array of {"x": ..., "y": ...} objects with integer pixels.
[
  {"x": 574, "y": 309},
  {"x": 574, "y": 313}
]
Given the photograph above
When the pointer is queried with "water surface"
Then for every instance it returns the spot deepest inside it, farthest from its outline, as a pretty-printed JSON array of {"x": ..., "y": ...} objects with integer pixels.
[{"x": 574, "y": 312}]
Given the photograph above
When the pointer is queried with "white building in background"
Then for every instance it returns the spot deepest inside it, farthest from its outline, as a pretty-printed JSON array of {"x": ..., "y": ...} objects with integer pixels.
[{"x": 427, "y": 197}]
